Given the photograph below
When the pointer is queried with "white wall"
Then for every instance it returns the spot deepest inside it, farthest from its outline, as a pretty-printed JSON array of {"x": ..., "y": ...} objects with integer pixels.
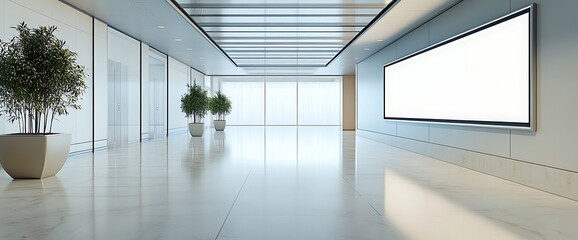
[
  {"x": 545, "y": 159},
  {"x": 100, "y": 84},
  {"x": 197, "y": 77},
  {"x": 178, "y": 80},
  {"x": 76, "y": 29}
]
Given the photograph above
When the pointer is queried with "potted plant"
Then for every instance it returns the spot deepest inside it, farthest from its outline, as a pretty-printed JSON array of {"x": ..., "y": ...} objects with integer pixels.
[
  {"x": 195, "y": 104},
  {"x": 220, "y": 105},
  {"x": 39, "y": 80}
]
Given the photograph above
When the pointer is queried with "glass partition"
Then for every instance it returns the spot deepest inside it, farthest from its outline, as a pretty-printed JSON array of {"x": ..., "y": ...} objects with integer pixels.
[
  {"x": 247, "y": 95},
  {"x": 154, "y": 97},
  {"x": 319, "y": 101},
  {"x": 123, "y": 88},
  {"x": 179, "y": 77},
  {"x": 283, "y": 100}
]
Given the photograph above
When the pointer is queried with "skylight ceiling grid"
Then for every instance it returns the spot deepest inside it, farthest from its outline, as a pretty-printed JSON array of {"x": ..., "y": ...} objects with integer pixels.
[{"x": 278, "y": 33}]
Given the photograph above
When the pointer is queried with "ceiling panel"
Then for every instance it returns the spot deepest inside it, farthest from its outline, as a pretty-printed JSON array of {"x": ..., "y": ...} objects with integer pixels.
[
  {"x": 277, "y": 37},
  {"x": 264, "y": 29}
]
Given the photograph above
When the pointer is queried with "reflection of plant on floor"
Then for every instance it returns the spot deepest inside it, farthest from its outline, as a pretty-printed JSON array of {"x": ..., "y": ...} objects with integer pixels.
[
  {"x": 195, "y": 103},
  {"x": 220, "y": 105},
  {"x": 39, "y": 79}
]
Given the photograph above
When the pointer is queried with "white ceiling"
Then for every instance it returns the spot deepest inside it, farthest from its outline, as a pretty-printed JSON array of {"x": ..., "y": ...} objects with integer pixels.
[{"x": 141, "y": 19}]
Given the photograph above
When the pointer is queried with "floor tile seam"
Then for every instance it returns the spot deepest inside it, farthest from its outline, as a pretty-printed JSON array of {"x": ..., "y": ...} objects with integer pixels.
[
  {"x": 361, "y": 195},
  {"x": 234, "y": 202}
]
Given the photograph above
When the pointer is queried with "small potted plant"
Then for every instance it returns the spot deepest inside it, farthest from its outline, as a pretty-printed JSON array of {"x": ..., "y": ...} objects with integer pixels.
[
  {"x": 39, "y": 80},
  {"x": 220, "y": 105},
  {"x": 195, "y": 104}
]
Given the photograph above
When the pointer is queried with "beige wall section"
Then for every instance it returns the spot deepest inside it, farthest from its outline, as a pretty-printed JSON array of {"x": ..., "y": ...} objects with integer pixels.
[
  {"x": 546, "y": 159},
  {"x": 348, "y": 103}
]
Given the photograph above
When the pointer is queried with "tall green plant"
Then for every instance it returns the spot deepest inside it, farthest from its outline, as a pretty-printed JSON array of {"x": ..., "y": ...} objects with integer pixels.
[
  {"x": 39, "y": 79},
  {"x": 195, "y": 103},
  {"x": 220, "y": 105}
]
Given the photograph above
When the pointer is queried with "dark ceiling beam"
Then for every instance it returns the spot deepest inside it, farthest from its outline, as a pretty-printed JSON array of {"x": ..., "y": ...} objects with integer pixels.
[
  {"x": 280, "y": 45},
  {"x": 282, "y": 65},
  {"x": 244, "y": 53},
  {"x": 273, "y": 44},
  {"x": 283, "y": 5},
  {"x": 264, "y": 32},
  {"x": 282, "y": 51},
  {"x": 283, "y": 57},
  {"x": 219, "y": 39},
  {"x": 281, "y": 15},
  {"x": 280, "y": 24},
  {"x": 308, "y": 58},
  {"x": 282, "y": 54},
  {"x": 382, "y": 13}
]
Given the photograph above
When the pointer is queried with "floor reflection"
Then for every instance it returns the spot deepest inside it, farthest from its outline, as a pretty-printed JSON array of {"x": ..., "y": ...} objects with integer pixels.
[
  {"x": 275, "y": 183},
  {"x": 424, "y": 198},
  {"x": 421, "y": 213}
]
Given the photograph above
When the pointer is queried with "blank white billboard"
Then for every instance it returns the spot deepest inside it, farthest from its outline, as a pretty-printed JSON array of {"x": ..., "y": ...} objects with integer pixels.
[{"x": 481, "y": 77}]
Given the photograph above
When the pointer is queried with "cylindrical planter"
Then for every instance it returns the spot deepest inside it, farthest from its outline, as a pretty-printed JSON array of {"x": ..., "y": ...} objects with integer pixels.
[
  {"x": 220, "y": 124},
  {"x": 36, "y": 156},
  {"x": 196, "y": 129}
]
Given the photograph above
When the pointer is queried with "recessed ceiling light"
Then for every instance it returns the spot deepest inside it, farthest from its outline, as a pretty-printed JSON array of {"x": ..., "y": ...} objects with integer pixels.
[
  {"x": 189, "y": 49},
  {"x": 161, "y": 27},
  {"x": 178, "y": 39},
  {"x": 380, "y": 40},
  {"x": 367, "y": 49}
]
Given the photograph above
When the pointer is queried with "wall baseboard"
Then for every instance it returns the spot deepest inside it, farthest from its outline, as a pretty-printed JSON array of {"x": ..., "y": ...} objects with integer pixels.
[
  {"x": 80, "y": 147},
  {"x": 177, "y": 130},
  {"x": 552, "y": 180}
]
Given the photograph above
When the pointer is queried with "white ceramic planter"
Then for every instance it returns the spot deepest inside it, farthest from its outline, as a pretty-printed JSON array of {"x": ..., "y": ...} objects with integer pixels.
[
  {"x": 219, "y": 124},
  {"x": 196, "y": 129},
  {"x": 33, "y": 156}
]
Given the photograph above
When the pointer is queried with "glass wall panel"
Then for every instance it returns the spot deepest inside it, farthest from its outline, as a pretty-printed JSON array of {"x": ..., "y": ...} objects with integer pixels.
[
  {"x": 319, "y": 101},
  {"x": 179, "y": 77},
  {"x": 154, "y": 97},
  {"x": 247, "y": 95},
  {"x": 123, "y": 88},
  {"x": 281, "y": 100}
]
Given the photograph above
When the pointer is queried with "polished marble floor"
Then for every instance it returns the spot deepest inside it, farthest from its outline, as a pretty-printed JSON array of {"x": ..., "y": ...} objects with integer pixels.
[{"x": 275, "y": 183}]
